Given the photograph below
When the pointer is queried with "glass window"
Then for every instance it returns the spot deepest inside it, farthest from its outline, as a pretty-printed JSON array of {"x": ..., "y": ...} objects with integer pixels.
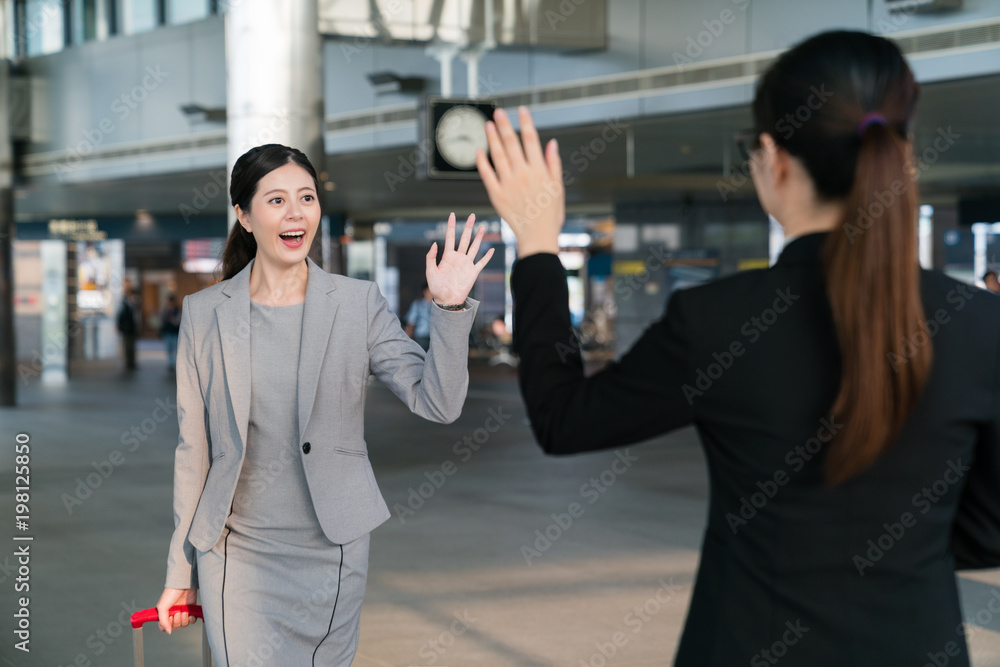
[
  {"x": 182, "y": 11},
  {"x": 136, "y": 16},
  {"x": 41, "y": 27},
  {"x": 84, "y": 21},
  {"x": 8, "y": 37}
]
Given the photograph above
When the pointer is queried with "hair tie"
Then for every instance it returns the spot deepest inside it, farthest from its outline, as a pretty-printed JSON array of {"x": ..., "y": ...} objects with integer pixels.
[{"x": 870, "y": 118}]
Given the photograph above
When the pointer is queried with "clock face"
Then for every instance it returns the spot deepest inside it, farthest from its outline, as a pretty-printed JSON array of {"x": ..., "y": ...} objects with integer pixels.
[{"x": 461, "y": 130}]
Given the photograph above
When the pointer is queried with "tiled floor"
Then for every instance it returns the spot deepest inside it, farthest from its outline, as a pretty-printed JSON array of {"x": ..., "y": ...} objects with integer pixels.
[{"x": 472, "y": 569}]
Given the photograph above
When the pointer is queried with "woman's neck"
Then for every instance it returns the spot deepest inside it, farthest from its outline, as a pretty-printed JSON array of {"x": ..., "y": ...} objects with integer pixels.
[
  {"x": 816, "y": 218},
  {"x": 278, "y": 286}
]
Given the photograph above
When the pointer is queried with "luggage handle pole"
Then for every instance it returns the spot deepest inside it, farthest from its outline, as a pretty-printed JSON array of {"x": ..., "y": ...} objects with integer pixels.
[{"x": 144, "y": 616}]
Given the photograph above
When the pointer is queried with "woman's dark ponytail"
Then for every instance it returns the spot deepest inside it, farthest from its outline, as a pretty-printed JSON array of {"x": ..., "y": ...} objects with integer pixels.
[
  {"x": 241, "y": 246},
  {"x": 853, "y": 95},
  {"x": 873, "y": 282}
]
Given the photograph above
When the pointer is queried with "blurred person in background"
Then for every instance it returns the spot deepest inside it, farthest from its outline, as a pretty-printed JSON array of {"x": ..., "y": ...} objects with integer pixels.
[
  {"x": 127, "y": 324},
  {"x": 418, "y": 319},
  {"x": 170, "y": 326},
  {"x": 852, "y": 442}
]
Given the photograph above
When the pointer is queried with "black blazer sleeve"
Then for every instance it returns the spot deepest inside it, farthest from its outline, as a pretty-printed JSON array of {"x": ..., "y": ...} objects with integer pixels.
[
  {"x": 634, "y": 399},
  {"x": 975, "y": 539}
]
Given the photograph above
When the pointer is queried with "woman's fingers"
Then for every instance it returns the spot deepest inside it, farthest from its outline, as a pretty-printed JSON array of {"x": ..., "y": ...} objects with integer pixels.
[
  {"x": 497, "y": 151},
  {"x": 449, "y": 235},
  {"x": 511, "y": 142},
  {"x": 474, "y": 248},
  {"x": 167, "y": 599},
  {"x": 463, "y": 244},
  {"x": 484, "y": 261},
  {"x": 163, "y": 620},
  {"x": 173, "y": 597},
  {"x": 529, "y": 137},
  {"x": 486, "y": 173},
  {"x": 553, "y": 161},
  {"x": 432, "y": 258}
]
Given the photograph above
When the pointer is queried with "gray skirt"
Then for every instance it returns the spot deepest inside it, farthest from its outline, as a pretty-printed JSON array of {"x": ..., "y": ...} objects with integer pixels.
[{"x": 264, "y": 598}]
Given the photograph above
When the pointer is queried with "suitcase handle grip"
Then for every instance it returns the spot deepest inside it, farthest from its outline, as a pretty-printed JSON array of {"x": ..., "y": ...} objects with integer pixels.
[{"x": 144, "y": 616}]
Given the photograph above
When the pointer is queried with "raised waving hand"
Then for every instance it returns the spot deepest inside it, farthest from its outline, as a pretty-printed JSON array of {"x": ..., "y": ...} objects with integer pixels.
[
  {"x": 451, "y": 279},
  {"x": 524, "y": 183}
]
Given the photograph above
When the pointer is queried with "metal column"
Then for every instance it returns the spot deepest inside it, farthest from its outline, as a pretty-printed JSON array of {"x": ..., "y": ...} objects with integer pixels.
[{"x": 8, "y": 358}]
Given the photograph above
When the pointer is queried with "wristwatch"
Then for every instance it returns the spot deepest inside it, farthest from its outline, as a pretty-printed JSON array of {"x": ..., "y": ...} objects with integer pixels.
[{"x": 458, "y": 306}]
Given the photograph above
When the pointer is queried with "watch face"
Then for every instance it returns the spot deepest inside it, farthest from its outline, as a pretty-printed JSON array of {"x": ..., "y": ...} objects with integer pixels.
[{"x": 461, "y": 130}]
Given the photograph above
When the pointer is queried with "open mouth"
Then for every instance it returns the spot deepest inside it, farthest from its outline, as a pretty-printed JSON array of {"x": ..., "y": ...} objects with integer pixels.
[{"x": 293, "y": 239}]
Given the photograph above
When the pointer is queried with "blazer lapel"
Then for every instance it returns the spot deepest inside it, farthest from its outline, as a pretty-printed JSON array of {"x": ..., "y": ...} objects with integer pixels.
[
  {"x": 317, "y": 324},
  {"x": 233, "y": 316}
]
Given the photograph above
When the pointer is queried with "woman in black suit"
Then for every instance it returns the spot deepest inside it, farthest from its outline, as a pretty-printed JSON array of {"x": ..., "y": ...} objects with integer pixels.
[{"x": 848, "y": 401}]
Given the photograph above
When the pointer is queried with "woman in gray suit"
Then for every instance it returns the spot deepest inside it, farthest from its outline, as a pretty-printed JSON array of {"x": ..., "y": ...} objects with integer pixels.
[{"x": 274, "y": 496}]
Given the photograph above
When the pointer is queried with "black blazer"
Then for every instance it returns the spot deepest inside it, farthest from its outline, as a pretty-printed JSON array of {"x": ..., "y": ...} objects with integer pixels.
[{"x": 791, "y": 571}]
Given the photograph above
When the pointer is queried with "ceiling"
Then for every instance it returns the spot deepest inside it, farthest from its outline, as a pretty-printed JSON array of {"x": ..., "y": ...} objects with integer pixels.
[{"x": 678, "y": 156}]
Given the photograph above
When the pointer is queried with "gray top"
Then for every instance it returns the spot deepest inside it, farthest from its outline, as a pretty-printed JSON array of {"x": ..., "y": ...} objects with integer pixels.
[{"x": 272, "y": 494}]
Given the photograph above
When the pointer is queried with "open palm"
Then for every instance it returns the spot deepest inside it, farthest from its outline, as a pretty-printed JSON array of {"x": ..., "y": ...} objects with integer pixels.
[{"x": 451, "y": 279}]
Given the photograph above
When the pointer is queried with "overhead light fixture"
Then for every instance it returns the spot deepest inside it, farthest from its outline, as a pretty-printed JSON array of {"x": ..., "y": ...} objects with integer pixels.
[
  {"x": 922, "y": 6},
  {"x": 390, "y": 82},
  {"x": 216, "y": 115},
  {"x": 143, "y": 219}
]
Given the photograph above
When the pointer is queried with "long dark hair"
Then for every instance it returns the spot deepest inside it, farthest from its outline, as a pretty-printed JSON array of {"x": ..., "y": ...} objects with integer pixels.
[
  {"x": 842, "y": 102},
  {"x": 252, "y": 166}
]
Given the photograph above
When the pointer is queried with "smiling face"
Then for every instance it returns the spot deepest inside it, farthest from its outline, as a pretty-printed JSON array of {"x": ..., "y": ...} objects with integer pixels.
[{"x": 283, "y": 217}]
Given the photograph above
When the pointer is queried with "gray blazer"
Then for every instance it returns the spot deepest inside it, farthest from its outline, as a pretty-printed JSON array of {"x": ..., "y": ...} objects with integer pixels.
[{"x": 348, "y": 333}]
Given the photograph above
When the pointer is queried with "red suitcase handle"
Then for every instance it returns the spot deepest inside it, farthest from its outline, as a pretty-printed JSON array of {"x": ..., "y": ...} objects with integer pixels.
[{"x": 143, "y": 616}]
